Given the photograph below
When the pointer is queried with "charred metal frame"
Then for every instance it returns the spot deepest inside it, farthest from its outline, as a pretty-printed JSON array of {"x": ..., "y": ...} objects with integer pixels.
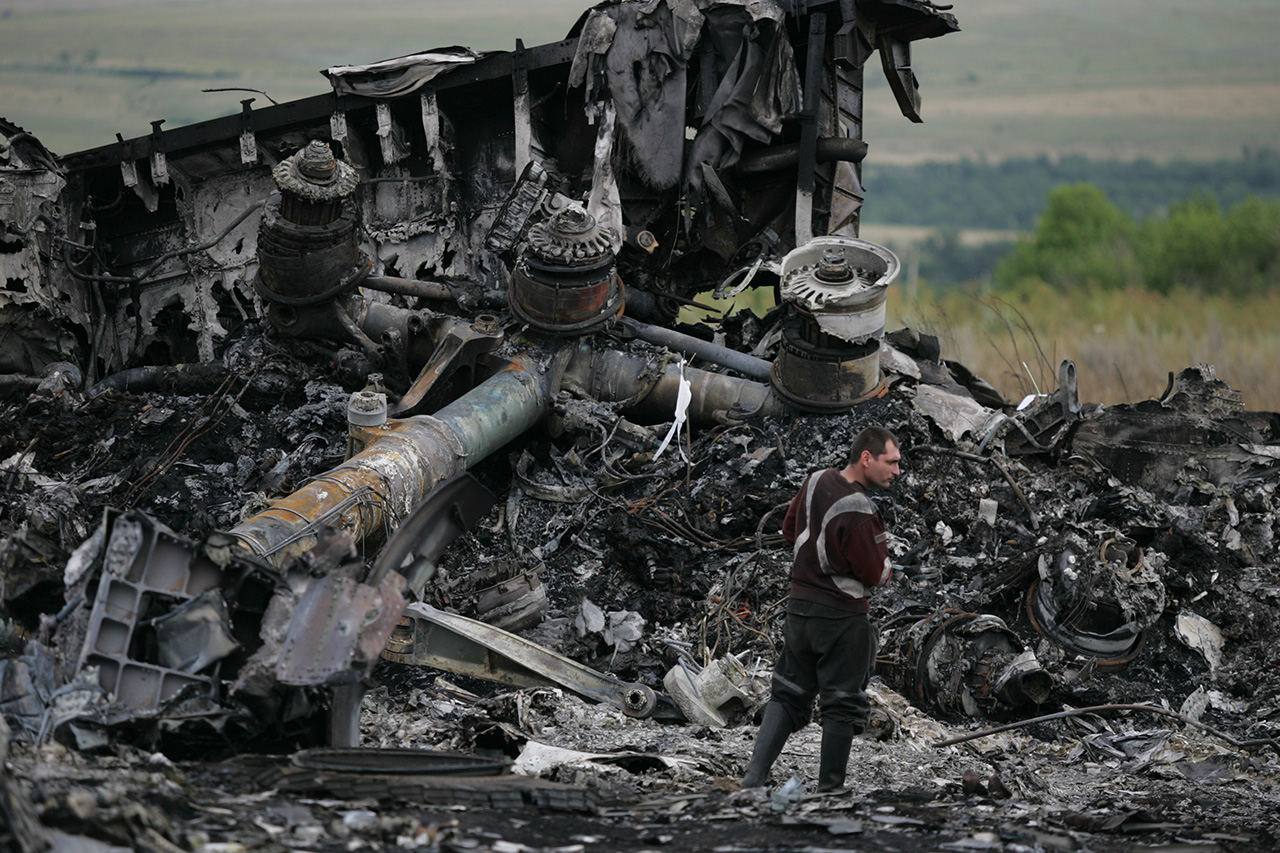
[
  {"x": 148, "y": 215},
  {"x": 166, "y": 614}
]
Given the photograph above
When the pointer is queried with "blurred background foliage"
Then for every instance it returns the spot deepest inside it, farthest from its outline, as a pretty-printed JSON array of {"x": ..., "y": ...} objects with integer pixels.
[
  {"x": 1010, "y": 194},
  {"x": 1145, "y": 271},
  {"x": 1127, "y": 299},
  {"x": 1082, "y": 240}
]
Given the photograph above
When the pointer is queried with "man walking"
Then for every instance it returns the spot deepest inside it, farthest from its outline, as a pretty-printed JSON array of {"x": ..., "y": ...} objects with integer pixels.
[{"x": 829, "y": 643}]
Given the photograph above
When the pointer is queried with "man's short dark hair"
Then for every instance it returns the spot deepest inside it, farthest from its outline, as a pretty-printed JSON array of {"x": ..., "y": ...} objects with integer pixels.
[{"x": 874, "y": 439}]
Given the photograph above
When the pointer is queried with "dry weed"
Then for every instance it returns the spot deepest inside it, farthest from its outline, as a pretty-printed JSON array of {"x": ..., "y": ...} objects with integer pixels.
[{"x": 1124, "y": 343}]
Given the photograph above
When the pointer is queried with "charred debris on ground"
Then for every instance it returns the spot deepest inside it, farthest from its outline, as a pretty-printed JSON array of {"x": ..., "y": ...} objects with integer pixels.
[{"x": 364, "y": 487}]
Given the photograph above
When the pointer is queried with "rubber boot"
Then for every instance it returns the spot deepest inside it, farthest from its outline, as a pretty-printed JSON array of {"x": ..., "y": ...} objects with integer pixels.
[
  {"x": 834, "y": 757},
  {"x": 775, "y": 728}
]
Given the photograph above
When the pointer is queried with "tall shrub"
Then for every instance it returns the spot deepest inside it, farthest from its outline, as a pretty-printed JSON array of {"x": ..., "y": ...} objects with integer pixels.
[{"x": 1080, "y": 239}]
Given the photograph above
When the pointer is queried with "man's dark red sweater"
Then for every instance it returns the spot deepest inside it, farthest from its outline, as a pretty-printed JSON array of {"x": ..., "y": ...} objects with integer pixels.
[{"x": 839, "y": 540}]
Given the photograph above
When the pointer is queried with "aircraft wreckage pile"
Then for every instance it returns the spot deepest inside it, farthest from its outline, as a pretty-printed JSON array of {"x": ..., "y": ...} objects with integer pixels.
[{"x": 277, "y": 518}]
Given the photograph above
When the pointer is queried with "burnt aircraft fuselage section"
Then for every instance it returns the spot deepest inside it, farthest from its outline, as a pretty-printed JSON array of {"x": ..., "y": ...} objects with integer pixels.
[
  {"x": 407, "y": 351},
  {"x": 735, "y": 137}
]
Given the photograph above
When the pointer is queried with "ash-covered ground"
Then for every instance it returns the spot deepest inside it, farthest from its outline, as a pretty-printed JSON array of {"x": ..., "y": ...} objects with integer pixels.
[{"x": 646, "y": 561}]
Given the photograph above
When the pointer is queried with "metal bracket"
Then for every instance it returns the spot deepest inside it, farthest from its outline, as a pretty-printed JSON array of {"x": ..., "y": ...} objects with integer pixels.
[
  {"x": 520, "y": 93},
  {"x": 128, "y": 169},
  {"x": 339, "y": 627},
  {"x": 895, "y": 57},
  {"x": 844, "y": 44},
  {"x": 1043, "y": 425},
  {"x": 338, "y": 120},
  {"x": 458, "y": 342},
  {"x": 159, "y": 165},
  {"x": 805, "y": 177},
  {"x": 388, "y": 134},
  {"x": 248, "y": 142}
]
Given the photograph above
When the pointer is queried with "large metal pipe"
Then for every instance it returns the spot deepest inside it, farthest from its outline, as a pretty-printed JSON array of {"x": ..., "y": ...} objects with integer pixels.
[
  {"x": 747, "y": 365},
  {"x": 651, "y": 388},
  {"x": 402, "y": 462},
  {"x": 826, "y": 150},
  {"x": 410, "y": 287},
  {"x": 404, "y": 459}
]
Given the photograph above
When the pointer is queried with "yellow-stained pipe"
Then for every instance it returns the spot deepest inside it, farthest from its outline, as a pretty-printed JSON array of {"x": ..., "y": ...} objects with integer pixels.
[{"x": 403, "y": 460}]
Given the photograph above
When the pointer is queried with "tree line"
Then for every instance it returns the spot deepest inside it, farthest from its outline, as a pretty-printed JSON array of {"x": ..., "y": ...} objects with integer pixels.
[
  {"x": 1084, "y": 240},
  {"x": 1010, "y": 194},
  {"x": 1209, "y": 227}
]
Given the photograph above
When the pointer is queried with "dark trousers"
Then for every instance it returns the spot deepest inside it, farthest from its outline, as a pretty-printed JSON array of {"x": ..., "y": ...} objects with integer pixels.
[{"x": 828, "y": 657}]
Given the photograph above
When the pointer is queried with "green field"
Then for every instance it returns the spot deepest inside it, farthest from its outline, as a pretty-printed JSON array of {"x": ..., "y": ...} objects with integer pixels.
[{"x": 1107, "y": 78}]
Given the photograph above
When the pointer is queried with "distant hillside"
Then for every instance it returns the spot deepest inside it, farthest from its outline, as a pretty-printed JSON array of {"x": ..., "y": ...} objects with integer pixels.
[{"x": 1108, "y": 79}]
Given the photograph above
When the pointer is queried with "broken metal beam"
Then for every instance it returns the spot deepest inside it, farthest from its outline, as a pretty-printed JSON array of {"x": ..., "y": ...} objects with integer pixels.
[
  {"x": 431, "y": 637},
  {"x": 293, "y": 115}
]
